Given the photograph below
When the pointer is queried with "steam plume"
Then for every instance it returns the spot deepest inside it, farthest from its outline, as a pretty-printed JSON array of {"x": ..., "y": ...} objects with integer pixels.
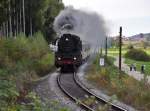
[{"x": 88, "y": 25}]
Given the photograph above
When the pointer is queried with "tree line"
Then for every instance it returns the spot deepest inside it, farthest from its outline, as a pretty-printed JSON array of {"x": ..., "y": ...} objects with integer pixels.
[{"x": 28, "y": 17}]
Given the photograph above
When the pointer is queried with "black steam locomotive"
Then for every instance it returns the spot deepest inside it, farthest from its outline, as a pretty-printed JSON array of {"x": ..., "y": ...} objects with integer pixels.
[{"x": 71, "y": 51}]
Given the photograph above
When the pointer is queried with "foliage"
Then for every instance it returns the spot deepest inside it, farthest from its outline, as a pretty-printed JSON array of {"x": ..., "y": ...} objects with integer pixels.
[
  {"x": 130, "y": 46},
  {"x": 115, "y": 42},
  {"x": 24, "y": 52},
  {"x": 34, "y": 104},
  {"x": 108, "y": 79},
  {"x": 18, "y": 59},
  {"x": 137, "y": 54},
  {"x": 90, "y": 101},
  {"x": 8, "y": 91},
  {"x": 145, "y": 44},
  {"x": 55, "y": 6},
  {"x": 148, "y": 38},
  {"x": 39, "y": 15}
]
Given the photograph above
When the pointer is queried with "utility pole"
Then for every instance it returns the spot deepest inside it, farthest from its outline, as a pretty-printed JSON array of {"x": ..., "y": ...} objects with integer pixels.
[
  {"x": 120, "y": 48},
  {"x": 101, "y": 51},
  {"x": 106, "y": 47}
]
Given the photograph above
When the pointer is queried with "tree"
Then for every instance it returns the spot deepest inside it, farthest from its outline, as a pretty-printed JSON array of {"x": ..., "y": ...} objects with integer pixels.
[
  {"x": 148, "y": 38},
  {"x": 3, "y": 16},
  {"x": 3, "y": 11},
  {"x": 52, "y": 11},
  {"x": 145, "y": 44},
  {"x": 29, "y": 16}
]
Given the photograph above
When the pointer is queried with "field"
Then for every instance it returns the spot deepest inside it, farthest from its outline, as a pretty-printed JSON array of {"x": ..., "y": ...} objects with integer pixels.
[
  {"x": 115, "y": 52},
  {"x": 139, "y": 64}
]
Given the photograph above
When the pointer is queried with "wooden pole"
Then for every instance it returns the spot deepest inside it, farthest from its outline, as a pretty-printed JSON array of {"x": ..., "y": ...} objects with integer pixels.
[
  {"x": 120, "y": 48},
  {"x": 106, "y": 47}
]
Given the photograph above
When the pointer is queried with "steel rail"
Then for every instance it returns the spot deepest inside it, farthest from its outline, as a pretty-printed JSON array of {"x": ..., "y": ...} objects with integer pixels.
[
  {"x": 70, "y": 96},
  {"x": 81, "y": 88},
  {"x": 113, "y": 106}
]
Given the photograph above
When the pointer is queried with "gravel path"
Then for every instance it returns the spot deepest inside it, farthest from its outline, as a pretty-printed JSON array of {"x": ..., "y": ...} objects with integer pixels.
[
  {"x": 136, "y": 74},
  {"x": 48, "y": 89}
]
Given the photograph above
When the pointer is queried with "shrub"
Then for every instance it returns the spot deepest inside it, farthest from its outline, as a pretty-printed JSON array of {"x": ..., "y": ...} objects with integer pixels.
[
  {"x": 26, "y": 52},
  {"x": 22, "y": 60},
  {"x": 137, "y": 54},
  {"x": 44, "y": 65},
  {"x": 130, "y": 46}
]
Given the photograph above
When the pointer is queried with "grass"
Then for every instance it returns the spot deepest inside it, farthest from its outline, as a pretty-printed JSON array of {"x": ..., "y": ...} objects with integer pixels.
[
  {"x": 126, "y": 88},
  {"x": 147, "y": 50},
  {"x": 115, "y": 52},
  {"x": 139, "y": 64}
]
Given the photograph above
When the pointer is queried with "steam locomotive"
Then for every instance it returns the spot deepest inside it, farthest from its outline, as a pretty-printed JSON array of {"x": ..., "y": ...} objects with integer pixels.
[{"x": 71, "y": 51}]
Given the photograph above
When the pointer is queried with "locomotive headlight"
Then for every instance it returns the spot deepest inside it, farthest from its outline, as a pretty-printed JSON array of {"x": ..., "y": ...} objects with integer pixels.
[
  {"x": 75, "y": 58},
  {"x": 67, "y": 39},
  {"x": 59, "y": 58}
]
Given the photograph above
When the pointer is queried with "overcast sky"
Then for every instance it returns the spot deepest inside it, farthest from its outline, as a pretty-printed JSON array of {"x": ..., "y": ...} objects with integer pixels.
[{"x": 133, "y": 15}]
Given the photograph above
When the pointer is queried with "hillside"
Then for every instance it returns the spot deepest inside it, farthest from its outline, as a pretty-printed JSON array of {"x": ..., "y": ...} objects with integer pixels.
[{"x": 139, "y": 37}]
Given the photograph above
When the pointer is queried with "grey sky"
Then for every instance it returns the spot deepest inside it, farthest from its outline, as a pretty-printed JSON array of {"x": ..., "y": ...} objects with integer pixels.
[{"x": 133, "y": 15}]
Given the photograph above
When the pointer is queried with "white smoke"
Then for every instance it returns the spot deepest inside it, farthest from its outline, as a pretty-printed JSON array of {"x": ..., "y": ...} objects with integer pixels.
[{"x": 88, "y": 25}]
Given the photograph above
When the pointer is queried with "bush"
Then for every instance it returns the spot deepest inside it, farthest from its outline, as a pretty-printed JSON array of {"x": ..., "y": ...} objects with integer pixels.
[
  {"x": 26, "y": 52},
  {"x": 22, "y": 60},
  {"x": 130, "y": 46},
  {"x": 137, "y": 54}
]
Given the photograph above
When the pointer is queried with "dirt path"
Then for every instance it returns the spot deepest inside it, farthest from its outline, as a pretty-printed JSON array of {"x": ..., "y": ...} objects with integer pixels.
[{"x": 136, "y": 74}]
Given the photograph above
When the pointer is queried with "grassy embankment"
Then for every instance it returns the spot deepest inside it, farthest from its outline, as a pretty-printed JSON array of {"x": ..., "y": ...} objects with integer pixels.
[
  {"x": 23, "y": 60},
  {"x": 126, "y": 89}
]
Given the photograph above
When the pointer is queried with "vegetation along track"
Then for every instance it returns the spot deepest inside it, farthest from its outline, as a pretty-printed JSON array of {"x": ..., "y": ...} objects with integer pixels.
[{"x": 71, "y": 86}]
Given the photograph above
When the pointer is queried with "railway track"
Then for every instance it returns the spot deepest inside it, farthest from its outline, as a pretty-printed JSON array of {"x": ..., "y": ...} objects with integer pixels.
[{"x": 71, "y": 86}]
